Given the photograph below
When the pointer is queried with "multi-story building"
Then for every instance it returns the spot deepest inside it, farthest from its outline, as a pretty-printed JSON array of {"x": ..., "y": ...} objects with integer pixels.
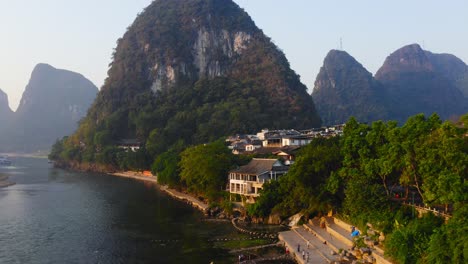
[{"x": 248, "y": 180}]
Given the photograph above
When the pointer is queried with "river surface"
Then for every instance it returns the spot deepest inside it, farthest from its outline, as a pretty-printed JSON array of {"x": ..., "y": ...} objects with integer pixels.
[{"x": 57, "y": 216}]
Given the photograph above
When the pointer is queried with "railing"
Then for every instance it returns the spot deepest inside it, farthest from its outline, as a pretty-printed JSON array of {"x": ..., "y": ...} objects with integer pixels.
[
  {"x": 426, "y": 209},
  {"x": 245, "y": 192}
]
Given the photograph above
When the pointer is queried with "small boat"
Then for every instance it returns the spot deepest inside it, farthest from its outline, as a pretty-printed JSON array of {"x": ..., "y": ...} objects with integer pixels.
[{"x": 5, "y": 161}]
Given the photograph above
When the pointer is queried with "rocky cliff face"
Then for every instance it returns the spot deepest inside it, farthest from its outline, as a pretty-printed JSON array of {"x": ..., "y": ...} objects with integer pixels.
[
  {"x": 415, "y": 85},
  {"x": 196, "y": 70},
  {"x": 51, "y": 106},
  {"x": 211, "y": 49},
  {"x": 344, "y": 88}
]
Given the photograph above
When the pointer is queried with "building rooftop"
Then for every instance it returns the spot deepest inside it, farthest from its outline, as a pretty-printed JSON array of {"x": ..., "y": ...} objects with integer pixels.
[
  {"x": 129, "y": 142},
  {"x": 257, "y": 166}
]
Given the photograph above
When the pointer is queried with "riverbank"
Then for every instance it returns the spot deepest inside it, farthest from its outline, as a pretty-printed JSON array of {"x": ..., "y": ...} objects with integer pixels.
[
  {"x": 269, "y": 251},
  {"x": 26, "y": 155},
  {"x": 4, "y": 182},
  {"x": 194, "y": 202}
]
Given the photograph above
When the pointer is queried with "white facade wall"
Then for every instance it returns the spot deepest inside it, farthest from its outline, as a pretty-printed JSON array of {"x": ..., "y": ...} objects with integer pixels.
[{"x": 295, "y": 142}]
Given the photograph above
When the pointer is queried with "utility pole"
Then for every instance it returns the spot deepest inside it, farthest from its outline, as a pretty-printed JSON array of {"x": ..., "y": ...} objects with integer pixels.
[{"x": 341, "y": 44}]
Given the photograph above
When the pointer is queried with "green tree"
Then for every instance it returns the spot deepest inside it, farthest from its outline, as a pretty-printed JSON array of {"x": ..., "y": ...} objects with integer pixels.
[
  {"x": 409, "y": 244},
  {"x": 449, "y": 244},
  {"x": 270, "y": 196},
  {"x": 414, "y": 133},
  {"x": 204, "y": 168},
  {"x": 313, "y": 166},
  {"x": 56, "y": 150},
  {"x": 166, "y": 167},
  {"x": 444, "y": 167},
  {"x": 364, "y": 194},
  {"x": 383, "y": 157}
]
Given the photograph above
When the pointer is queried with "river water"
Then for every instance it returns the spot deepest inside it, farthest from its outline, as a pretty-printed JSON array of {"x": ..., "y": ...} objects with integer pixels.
[{"x": 56, "y": 216}]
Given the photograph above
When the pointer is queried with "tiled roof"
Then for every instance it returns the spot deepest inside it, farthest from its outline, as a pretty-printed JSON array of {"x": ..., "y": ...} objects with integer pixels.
[
  {"x": 289, "y": 149},
  {"x": 256, "y": 166},
  {"x": 129, "y": 141}
]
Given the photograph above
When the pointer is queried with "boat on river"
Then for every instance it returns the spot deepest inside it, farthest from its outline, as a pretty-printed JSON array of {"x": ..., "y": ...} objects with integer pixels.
[{"x": 5, "y": 161}]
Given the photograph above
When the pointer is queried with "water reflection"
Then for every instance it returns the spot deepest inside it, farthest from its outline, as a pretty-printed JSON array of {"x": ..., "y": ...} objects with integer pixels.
[{"x": 55, "y": 216}]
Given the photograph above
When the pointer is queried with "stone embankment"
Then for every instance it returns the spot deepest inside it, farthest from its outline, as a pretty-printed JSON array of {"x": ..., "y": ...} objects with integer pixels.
[
  {"x": 253, "y": 233},
  {"x": 187, "y": 198},
  {"x": 196, "y": 203}
]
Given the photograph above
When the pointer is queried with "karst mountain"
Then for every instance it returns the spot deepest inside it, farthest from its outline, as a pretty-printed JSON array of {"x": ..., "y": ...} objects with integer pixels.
[
  {"x": 6, "y": 116},
  {"x": 344, "y": 88},
  {"x": 192, "y": 71},
  {"x": 5, "y": 111},
  {"x": 52, "y": 104},
  {"x": 411, "y": 81}
]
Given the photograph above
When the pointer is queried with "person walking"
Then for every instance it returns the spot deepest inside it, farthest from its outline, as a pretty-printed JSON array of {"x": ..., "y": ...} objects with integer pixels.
[
  {"x": 303, "y": 254},
  {"x": 298, "y": 247}
]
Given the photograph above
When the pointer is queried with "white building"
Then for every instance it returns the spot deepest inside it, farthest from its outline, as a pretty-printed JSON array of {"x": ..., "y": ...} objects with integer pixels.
[
  {"x": 129, "y": 145},
  {"x": 301, "y": 140},
  {"x": 248, "y": 180}
]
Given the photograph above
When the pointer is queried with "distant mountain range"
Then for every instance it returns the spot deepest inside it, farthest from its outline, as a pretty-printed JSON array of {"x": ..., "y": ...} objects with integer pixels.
[
  {"x": 51, "y": 106},
  {"x": 191, "y": 71},
  {"x": 411, "y": 81}
]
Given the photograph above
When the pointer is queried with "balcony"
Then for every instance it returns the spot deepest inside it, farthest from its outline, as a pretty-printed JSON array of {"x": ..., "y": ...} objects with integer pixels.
[{"x": 240, "y": 187}]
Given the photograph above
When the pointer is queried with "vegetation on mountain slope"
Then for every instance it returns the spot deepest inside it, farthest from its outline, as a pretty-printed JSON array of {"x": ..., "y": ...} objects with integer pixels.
[{"x": 188, "y": 72}]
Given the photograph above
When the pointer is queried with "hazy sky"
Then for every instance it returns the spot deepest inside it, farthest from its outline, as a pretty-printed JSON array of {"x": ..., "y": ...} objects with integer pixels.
[{"x": 81, "y": 35}]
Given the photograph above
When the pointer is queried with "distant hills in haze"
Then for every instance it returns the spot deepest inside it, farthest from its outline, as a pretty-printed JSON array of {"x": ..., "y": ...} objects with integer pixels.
[
  {"x": 191, "y": 71},
  {"x": 51, "y": 106},
  {"x": 410, "y": 81},
  {"x": 5, "y": 111}
]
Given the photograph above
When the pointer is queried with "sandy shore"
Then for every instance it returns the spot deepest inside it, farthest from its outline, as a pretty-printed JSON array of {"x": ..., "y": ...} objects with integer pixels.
[
  {"x": 6, "y": 183},
  {"x": 176, "y": 194}
]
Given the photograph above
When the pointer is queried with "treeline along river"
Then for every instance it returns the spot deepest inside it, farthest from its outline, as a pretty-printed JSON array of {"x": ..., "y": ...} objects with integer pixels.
[{"x": 55, "y": 216}]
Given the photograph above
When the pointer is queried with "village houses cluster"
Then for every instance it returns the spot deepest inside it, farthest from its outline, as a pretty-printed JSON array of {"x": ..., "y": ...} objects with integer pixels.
[
  {"x": 248, "y": 180},
  {"x": 277, "y": 147}
]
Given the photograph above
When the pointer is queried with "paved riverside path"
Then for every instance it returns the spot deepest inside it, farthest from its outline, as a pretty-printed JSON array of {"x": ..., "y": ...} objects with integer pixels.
[
  {"x": 333, "y": 242},
  {"x": 318, "y": 252}
]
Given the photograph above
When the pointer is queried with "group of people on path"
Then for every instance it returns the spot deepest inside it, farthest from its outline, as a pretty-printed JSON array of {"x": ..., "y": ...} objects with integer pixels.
[{"x": 305, "y": 255}]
